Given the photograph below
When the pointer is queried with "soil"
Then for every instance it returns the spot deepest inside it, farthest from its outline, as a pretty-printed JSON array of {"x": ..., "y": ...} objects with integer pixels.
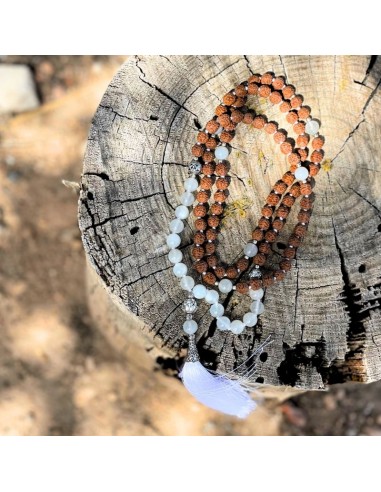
[{"x": 58, "y": 374}]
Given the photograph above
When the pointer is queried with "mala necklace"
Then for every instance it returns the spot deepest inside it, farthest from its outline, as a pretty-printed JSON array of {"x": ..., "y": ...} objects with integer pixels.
[{"x": 209, "y": 173}]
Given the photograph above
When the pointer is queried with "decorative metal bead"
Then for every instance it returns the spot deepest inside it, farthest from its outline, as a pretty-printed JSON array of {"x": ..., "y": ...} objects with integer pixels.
[
  {"x": 189, "y": 306},
  {"x": 194, "y": 167}
]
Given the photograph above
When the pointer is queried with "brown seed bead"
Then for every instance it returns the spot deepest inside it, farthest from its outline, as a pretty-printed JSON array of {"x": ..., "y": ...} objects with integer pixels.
[
  {"x": 208, "y": 156},
  {"x": 264, "y": 91},
  {"x": 236, "y": 116},
  {"x": 278, "y": 83},
  {"x": 199, "y": 211},
  {"x": 229, "y": 99},
  {"x": 200, "y": 266},
  {"x": 293, "y": 159},
  {"x": 210, "y": 248},
  {"x": 289, "y": 253},
  {"x": 209, "y": 278},
  {"x": 278, "y": 224},
  {"x": 220, "y": 196},
  {"x": 275, "y": 97},
  {"x": 279, "y": 137},
  {"x": 288, "y": 91},
  {"x": 213, "y": 221},
  {"x": 285, "y": 107},
  {"x": 307, "y": 202},
  {"x": 224, "y": 120},
  {"x": 259, "y": 122},
  {"x": 211, "y": 143},
  {"x": 230, "y": 127},
  {"x": 220, "y": 109},
  {"x": 197, "y": 150},
  {"x": 282, "y": 211},
  {"x": 206, "y": 183},
  {"x": 280, "y": 186},
  {"x": 202, "y": 137},
  {"x": 293, "y": 168},
  {"x": 254, "y": 78},
  {"x": 264, "y": 248},
  {"x": 296, "y": 101},
  {"x": 231, "y": 272},
  {"x": 208, "y": 168},
  {"x": 253, "y": 89},
  {"x": 286, "y": 148},
  {"x": 212, "y": 261},
  {"x": 267, "y": 211},
  {"x": 239, "y": 102},
  {"x": 294, "y": 240},
  {"x": 302, "y": 141},
  {"x": 216, "y": 209},
  {"x": 295, "y": 190},
  {"x": 267, "y": 78},
  {"x": 248, "y": 118},
  {"x": 203, "y": 196},
  {"x": 257, "y": 234},
  {"x": 305, "y": 188},
  {"x": 242, "y": 264},
  {"x": 304, "y": 216},
  {"x": 240, "y": 90},
  {"x": 288, "y": 178},
  {"x": 222, "y": 169},
  {"x": 299, "y": 128},
  {"x": 292, "y": 117},
  {"x": 226, "y": 137},
  {"x": 271, "y": 236},
  {"x": 199, "y": 238},
  {"x": 211, "y": 235},
  {"x": 314, "y": 169},
  {"x": 222, "y": 183},
  {"x": 200, "y": 224},
  {"x": 259, "y": 259},
  {"x": 288, "y": 200},
  {"x": 212, "y": 126},
  {"x": 303, "y": 154},
  {"x": 273, "y": 199},
  {"x": 198, "y": 252},
  {"x": 268, "y": 279},
  {"x": 220, "y": 272},
  {"x": 317, "y": 143},
  {"x": 255, "y": 284},
  {"x": 285, "y": 265},
  {"x": 304, "y": 112},
  {"x": 279, "y": 275},
  {"x": 271, "y": 128},
  {"x": 242, "y": 288},
  {"x": 264, "y": 223},
  {"x": 317, "y": 156},
  {"x": 300, "y": 230}
]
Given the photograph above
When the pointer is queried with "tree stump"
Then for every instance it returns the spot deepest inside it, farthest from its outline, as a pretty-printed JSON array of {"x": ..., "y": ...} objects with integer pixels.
[{"x": 325, "y": 317}]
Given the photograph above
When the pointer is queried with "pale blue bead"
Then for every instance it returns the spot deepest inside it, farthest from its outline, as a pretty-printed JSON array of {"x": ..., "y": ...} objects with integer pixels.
[
  {"x": 237, "y": 327},
  {"x": 212, "y": 296},
  {"x": 187, "y": 283},
  {"x": 223, "y": 323},
  {"x": 312, "y": 127},
  {"x": 216, "y": 310},
  {"x": 199, "y": 291},
  {"x": 180, "y": 269},
  {"x": 173, "y": 240},
  {"x": 190, "y": 326},
  {"x": 257, "y": 307},
  {"x": 256, "y": 295},
  {"x": 176, "y": 226},
  {"x": 187, "y": 198},
  {"x": 182, "y": 212},
  {"x": 250, "y": 250},
  {"x": 250, "y": 319},
  {"x": 221, "y": 152},
  {"x": 225, "y": 285},
  {"x": 175, "y": 256},
  {"x": 191, "y": 184},
  {"x": 301, "y": 173}
]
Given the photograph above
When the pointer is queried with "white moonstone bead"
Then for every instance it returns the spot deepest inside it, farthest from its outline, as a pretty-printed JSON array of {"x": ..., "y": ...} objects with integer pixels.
[
  {"x": 237, "y": 327},
  {"x": 212, "y": 296},
  {"x": 256, "y": 295},
  {"x": 216, "y": 310},
  {"x": 181, "y": 212},
  {"x": 301, "y": 173},
  {"x": 175, "y": 256},
  {"x": 187, "y": 283},
  {"x": 180, "y": 269},
  {"x": 176, "y": 226},
  {"x": 257, "y": 307},
  {"x": 312, "y": 127},
  {"x": 190, "y": 326},
  {"x": 191, "y": 184},
  {"x": 225, "y": 285},
  {"x": 250, "y": 319},
  {"x": 221, "y": 152},
  {"x": 223, "y": 323},
  {"x": 199, "y": 291},
  {"x": 250, "y": 250},
  {"x": 173, "y": 240},
  {"x": 187, "y": 198},
  {"x": 219, "y": 131}
]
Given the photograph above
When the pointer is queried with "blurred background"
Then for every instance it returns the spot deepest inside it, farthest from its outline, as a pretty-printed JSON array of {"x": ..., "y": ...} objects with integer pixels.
[{"x": 58, "y": 374}]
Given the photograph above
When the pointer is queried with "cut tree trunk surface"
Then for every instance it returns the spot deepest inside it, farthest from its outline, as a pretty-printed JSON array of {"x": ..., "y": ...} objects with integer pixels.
[{"x": 325, "y": 317}]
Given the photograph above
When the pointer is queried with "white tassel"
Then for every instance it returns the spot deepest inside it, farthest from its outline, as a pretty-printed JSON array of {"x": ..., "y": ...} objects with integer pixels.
[{"x": 226, "y": 393}]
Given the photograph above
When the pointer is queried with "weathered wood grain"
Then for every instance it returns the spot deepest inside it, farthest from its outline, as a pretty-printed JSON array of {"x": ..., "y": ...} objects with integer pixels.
[{"x": 325, "y": 317}]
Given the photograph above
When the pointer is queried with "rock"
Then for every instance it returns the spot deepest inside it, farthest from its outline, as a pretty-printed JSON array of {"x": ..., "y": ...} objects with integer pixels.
[{"x": 17, "y": 89}]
